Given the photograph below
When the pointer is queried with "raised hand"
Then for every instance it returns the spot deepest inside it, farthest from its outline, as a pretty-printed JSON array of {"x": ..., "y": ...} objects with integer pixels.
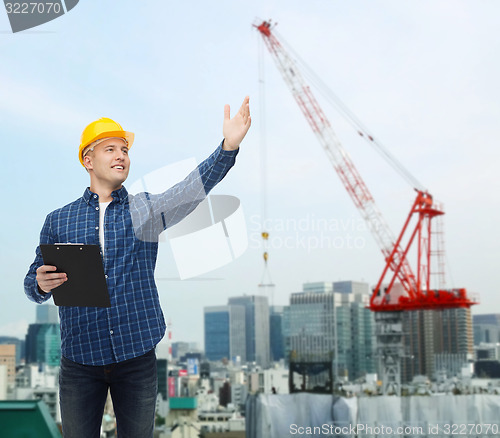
[{"x": 235, "y": 129}]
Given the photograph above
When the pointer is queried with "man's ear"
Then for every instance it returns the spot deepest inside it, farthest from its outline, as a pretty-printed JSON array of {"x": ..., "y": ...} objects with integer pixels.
[{"x": 87, "y": 162}]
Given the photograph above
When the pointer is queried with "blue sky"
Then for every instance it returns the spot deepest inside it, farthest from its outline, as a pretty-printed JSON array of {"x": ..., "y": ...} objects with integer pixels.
[{"x": 422, "y": 75}]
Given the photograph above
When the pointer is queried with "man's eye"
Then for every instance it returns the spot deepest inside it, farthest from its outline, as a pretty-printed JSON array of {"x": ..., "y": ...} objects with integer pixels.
[{"x": 125, "y": 151}]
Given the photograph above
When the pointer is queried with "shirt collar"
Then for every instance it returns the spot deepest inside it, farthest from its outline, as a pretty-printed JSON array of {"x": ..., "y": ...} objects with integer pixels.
[{"x": 120, "y": 195}]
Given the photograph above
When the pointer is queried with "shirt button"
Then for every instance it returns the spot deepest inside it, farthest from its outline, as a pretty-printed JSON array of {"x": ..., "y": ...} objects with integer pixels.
[
  {"x": 97, "y": 208},
  {"x": 95, "y": 196},
  {"x": 111, "y": 332},
  {"x": 106, "y": 276},
  {"x": 96, "y": 228}
]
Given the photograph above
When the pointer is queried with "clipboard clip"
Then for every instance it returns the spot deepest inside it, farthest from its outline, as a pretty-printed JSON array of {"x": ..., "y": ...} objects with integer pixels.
[{"x": 69, "y": 244}]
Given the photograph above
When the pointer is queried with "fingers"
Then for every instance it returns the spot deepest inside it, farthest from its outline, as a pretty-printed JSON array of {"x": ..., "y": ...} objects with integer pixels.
[
  {"x": 46, "y": 268},
  {"x": 246, "y": 112},
  {"x": 235, "y": 129},
  {"x": 47, "y": 279},
  {"x": 248, "y": 119},
  {"x": 48, "y": 285},
  {"x": 245, "y": 108}
]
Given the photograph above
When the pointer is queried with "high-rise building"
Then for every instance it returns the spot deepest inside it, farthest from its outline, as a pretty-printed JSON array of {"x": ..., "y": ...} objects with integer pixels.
[
  {"x": 161, "y": 371},
  {"x": 256, "y": 327},
  {"x": 49, "y": 345},
  {"x": 225, "y": 332},
  {"x": 31, "y": 343},
  {"x": 317, "y": 287},
  {"x": 311, "y": 323},
  {"x": 457, "y": 332},
  {"x": 323, "y": 325},
  {"x": 43, "y": 340},
  {"x": 20, "y": 347},
  {"x": 285, "y": 327},
  {"x": 43, "y": 344},
  {"x": 179, "y": 349},
  {"x": 436, "y": 341},
  {"x": 276, "y": 333},
  {"x": 486, "y": 328},
  {"x": 351, "y": 287},
  {"x": 362, "y": 337},
  {"x": 8, "y": 358}
]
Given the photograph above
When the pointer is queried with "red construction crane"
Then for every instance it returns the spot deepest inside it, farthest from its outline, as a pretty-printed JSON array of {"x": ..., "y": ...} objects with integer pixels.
[{"x": 418, "y": 294}]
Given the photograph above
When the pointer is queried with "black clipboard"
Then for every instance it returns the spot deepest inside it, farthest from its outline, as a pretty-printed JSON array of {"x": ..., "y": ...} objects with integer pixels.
[{"x": 86, "y": 285}]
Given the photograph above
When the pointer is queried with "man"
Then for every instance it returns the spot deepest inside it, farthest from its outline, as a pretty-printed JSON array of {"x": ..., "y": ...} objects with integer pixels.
[{"x": 113, "y": 348}]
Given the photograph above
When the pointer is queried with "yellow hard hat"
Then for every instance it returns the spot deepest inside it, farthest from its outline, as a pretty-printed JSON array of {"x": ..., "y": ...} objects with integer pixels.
[{"x": 102, "y": 128}]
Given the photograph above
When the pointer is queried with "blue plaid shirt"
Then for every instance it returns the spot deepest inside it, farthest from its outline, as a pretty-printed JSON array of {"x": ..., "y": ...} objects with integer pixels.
[{"x": 134, "y": 323}]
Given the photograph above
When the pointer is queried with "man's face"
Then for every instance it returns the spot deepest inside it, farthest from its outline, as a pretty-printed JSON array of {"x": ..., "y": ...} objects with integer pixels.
[{"x": 109, "y": 163}]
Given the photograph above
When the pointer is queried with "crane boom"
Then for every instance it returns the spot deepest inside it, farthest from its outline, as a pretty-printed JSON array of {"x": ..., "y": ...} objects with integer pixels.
[{"x": 417, "y": 288}]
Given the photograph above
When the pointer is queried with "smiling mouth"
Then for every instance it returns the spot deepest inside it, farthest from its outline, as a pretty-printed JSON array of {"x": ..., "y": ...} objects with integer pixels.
[{"x": 118, "y": 167}]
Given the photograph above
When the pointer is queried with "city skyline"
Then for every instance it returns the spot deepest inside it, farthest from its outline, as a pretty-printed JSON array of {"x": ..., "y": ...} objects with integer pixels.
[
  {"x": 421, "y": 76},
  {"x": 441, "y": 341}
]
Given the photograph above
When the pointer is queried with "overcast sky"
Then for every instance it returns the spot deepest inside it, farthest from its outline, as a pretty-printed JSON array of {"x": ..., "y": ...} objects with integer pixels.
[{"x": 421, "y": 75}]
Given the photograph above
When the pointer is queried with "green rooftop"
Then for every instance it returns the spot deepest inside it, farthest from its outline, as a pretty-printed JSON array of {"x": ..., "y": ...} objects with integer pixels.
[
  {"x": 183, "y": 403},
  {"x": 27, "y": 419}
]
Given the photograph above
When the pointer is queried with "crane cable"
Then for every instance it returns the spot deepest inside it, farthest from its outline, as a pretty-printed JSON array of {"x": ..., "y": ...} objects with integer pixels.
[
  {"x": 349, "y": 116},
  {"x": 266, "y": 280}
]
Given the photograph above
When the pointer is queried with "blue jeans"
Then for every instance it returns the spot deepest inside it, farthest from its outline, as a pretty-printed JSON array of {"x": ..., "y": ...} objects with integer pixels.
[{"x": 83, "y": 390}]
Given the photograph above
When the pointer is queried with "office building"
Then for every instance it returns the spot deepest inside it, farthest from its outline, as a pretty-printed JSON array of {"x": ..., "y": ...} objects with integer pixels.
[
  {"x": 486, "y": 328},
  {"x": 43, "y": 344},
  {"x": 239, "y": 394},
  {"x": 4, "y": 385},
  {"x": 43, "y": 340},
  {"x": 362, "y": 337},
  {"x": 225, "y": 332},
  {"x": 257, "y": 336},
  {"x": 317, "y": 287},
  {"x": 20, "y": 347},
  {"x": 285, "y": 327},
  {"x": 179, "y": 349},
  {"x": 487, "y": 360},
  {"x": 436, "y": 341},
  {"x": 322, "y": 325},
  {"x": 487, "y": 352},
  {"x": 8, "y": 359},
  {"x": 351, "y": 287},
  {"x": 276, "y": 333},
  {"x": 161, "y": 371}
]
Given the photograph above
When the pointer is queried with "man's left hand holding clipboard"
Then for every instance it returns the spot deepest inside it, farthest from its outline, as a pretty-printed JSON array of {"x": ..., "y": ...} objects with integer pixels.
[
  {"x": 47, "y": 279},
  {"x": 80, "y": 282}
]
